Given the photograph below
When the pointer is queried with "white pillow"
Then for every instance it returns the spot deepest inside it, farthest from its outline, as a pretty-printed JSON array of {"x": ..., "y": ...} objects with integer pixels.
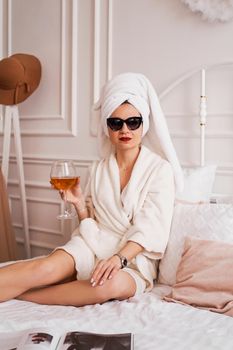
[
  {"x": 198, "y": 184},
  {"x": 204, "y": 221}
]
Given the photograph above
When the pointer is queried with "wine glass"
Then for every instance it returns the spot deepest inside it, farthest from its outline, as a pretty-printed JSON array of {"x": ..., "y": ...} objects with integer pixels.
[{"x": 63, "y": 176}]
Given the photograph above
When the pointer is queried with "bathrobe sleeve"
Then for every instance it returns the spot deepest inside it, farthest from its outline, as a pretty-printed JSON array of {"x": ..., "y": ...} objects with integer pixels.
[
  {"x": 151, "y": 224},
  {"x": 89, "y": 224}
]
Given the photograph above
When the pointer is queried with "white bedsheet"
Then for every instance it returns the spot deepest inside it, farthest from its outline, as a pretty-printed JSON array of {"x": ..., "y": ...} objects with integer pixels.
[{"x": 156, "y": 324}]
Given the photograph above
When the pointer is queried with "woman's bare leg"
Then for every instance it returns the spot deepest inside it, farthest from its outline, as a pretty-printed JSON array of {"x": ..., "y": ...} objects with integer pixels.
[
  {"x": 79, "y": 293},
  {"x": 19, "y": 277}
]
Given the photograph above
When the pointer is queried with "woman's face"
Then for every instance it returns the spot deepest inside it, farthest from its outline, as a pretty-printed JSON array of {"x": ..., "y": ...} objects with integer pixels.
[{"x": 125, "y": 138}]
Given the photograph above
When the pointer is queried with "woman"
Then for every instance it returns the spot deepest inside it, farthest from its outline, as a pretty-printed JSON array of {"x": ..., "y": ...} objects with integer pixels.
[{"x": 115, "y": 249}]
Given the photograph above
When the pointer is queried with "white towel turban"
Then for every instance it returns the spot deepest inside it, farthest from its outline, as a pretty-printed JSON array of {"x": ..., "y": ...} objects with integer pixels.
[{"x": 137, "y": 90}]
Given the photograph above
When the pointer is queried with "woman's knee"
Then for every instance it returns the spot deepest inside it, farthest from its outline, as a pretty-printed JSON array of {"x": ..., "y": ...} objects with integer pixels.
[
  {"x": 41, "y": 269},
  {"x": 52, "y": 268},
  {"x": 57, "y": 266},
  {"x": 122, "y": 286}
]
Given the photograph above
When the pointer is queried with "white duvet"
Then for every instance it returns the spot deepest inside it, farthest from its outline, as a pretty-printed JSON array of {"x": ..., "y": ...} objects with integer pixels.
[{"x": 156, "y": 324}]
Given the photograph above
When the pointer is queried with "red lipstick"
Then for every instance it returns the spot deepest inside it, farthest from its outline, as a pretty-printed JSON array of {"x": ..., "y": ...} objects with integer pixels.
[{"x": 125, "y": 139}]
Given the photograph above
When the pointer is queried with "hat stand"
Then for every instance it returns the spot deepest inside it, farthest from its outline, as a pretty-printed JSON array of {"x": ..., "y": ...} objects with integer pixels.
[{"x": 12, "y": 117}]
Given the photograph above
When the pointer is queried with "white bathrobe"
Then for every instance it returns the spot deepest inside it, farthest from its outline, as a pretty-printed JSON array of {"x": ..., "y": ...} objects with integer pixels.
[{"x": 141, "y": 213}]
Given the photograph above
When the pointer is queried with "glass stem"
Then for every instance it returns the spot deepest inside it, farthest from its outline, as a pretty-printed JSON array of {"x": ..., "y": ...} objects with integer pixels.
[{"x": 66, "y": 206}]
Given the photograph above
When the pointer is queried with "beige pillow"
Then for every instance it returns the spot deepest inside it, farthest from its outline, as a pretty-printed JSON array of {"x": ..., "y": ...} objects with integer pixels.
[{"x": 204, "y": 276}]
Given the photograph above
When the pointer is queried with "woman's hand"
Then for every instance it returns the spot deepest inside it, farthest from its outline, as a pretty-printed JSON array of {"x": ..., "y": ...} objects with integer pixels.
[
  {"x": 74, "y": 195},
  {"x": 105, "y": 269}
]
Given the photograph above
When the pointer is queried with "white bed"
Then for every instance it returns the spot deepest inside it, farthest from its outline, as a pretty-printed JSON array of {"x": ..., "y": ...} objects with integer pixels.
[{"x": 156, "y": 324}]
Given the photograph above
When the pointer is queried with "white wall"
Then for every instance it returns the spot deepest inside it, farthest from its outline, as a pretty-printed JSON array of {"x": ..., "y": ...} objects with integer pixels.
[{"x": 160, "y": 38}]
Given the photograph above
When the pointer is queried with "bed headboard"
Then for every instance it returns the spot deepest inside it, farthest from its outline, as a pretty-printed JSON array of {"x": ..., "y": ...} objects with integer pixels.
[{"x": 201, "y": 75}]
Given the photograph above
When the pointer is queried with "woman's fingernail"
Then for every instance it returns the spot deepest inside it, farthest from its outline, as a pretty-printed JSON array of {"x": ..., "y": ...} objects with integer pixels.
[
  {"x": 93, "y": 284},
  {"x": 110, "y": 277},
  {"x": 101, "y": 282},
  {"x": 92, "y": 280}
]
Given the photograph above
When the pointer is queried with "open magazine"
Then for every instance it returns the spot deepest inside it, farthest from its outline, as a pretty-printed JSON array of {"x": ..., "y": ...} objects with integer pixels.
[{"x": 45, "y": 339}]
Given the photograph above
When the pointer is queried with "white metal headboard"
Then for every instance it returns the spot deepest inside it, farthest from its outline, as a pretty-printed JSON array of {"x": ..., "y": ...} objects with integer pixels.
[{"x": 203, "y": 103}]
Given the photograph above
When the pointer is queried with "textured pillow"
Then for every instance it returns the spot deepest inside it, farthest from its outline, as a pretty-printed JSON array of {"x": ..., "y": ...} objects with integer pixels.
[
  {"x": 204, "y": 221},
  {"x": 204, "y": 276},
  {"x": 198, "y": 184}
]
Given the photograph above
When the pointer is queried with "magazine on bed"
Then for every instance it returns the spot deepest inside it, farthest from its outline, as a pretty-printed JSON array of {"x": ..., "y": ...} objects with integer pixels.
[{"x": 46, "y": 339}]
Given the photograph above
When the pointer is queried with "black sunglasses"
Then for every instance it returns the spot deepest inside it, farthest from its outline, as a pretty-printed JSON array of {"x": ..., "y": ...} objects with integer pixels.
[{"x": 116, "y": 124}]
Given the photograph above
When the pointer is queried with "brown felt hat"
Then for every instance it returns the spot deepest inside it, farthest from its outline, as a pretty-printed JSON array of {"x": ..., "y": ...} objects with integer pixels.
[{"x": 19, "y": 76}]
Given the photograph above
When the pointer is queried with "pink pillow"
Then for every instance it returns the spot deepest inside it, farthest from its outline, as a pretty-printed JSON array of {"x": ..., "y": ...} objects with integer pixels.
[{"x": 204, "y": 276}]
